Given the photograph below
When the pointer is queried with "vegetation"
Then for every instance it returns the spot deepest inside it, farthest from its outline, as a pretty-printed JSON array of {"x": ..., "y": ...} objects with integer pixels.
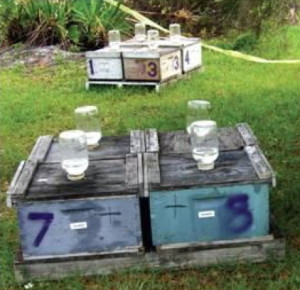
[
  {"x": 65, "y": 22},
  {"x": 216, "y": 17},
  {"x": 265, "y": 96}
]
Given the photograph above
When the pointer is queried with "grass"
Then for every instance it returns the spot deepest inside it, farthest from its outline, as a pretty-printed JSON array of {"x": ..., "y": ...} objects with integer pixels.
[{"x": 41, "y": 101}]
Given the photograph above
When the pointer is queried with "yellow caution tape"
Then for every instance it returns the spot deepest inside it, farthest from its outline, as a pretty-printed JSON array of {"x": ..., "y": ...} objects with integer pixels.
[{"x": 232, "y": 53}]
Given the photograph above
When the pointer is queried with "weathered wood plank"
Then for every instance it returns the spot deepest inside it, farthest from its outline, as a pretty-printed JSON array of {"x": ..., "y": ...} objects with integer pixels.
[
  {"x": 179, "y": 141},
  {"x": 151, "y": 140},
  {"x": 13, "y": 183},
  {"x": 246, "y": 253},
  {"x": 180, "y": 170},
  {"x": 137, "y": 141},
  {"x": 40, "y": 149},
  {"x": 105, "y": 177},
  {"x": 247, "y": 134},
  {"x": 151, "y": 171},
  {"x": 110, "y": 147},
  {"x": 260, "y": 163},
  {"x": 19, "y": 190},
  {"x": 214, "y": 244},
  {"x": 132, "y": 170},
  {"x": 168, "y": 259},
  {"x": 140, "y": 174},
  {"x": 63, "y": 268}
]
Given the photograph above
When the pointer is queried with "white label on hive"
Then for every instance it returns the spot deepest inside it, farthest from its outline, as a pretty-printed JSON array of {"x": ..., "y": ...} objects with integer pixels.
[
  {"x": 78, "y": 226},
  {"x": 206, "y": 214}
]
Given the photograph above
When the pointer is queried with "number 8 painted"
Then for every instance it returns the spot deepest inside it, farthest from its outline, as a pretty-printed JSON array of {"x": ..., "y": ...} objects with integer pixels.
[{"x": 238, "y": 205}]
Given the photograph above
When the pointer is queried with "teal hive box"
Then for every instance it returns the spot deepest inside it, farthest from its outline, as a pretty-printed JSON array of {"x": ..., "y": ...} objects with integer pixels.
[{"x": 229, "y": 202}]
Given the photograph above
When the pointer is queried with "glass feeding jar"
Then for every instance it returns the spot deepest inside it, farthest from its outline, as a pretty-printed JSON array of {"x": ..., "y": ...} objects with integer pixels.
[
  {"x": 175, "y": 32},
  {"x": 114, "y": 39},
  {"x": 197, "y": 110},
  {"x": 88, "y": 120},
  {"x": 74, "y": 154},
  {"x": 205, "y": 145},
  {"x": 140, "y": 31},
  {"x": 153, "y": 39}
]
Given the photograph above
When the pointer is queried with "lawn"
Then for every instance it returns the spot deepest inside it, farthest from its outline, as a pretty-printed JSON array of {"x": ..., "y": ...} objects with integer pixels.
[{"x": 41, "y": 101}]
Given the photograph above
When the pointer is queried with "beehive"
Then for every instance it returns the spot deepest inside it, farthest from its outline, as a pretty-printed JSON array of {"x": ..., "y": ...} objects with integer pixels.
[
  {"x": 229, "y": 202},
  {"x": 98, "y": 214}
]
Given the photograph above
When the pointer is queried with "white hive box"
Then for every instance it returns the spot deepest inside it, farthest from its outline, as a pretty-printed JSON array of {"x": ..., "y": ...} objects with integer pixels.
[{"x": 191, "y": 51}]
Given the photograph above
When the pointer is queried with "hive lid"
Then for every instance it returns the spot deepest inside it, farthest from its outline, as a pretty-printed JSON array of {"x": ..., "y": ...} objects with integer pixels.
[
  {"x": 145, "y": 52},
  {"x": 41, "y": 180},
  {"x": 169, "y": 163},
  {"x": 114, "y": 169}
]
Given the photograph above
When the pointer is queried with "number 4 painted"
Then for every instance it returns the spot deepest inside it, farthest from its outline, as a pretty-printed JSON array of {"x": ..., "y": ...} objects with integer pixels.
[{"x": 48, "y": 218}]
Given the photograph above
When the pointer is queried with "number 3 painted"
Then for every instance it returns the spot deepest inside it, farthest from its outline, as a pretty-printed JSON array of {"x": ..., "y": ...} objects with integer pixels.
[
  {"x": 152, "y": 69},
  {"x": 176, "y": 63},
  {"x": 48, "y": 218}
]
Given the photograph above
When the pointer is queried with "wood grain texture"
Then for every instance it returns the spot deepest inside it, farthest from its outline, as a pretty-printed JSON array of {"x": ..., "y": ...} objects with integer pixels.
[
  {"x": 247, "y": 134},
  {"x": 17, "y": 193},
  {"x": 132, "y": 170},
  {"x": 105, "y": 177},
  {"x": 260, "y": 163},
  {"x": 40, "y": 149},
  {"x": 137, "y": 141},
  {"x": 169, "y": 259},
  {"x": 151, "y": 140},
  {"x": 13, "y": 183},
  {"x": 183, "y": 247},
  {"x": 142, "y": 69},
  {"x": 109, "y": 147},
  {"x": 151, "y": 172},
  {"x": 180, "y": 170},
  {"x": 179, "y": 141}
]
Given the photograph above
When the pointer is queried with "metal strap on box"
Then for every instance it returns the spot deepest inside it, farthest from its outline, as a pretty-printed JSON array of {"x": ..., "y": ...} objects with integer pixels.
[{"x": 260, "y": 163}]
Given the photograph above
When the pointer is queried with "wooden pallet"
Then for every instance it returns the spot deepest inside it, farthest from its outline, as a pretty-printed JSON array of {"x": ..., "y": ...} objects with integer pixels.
[
  {"x": 176, "y": 256},
  {"x": 156, "y": 85}
]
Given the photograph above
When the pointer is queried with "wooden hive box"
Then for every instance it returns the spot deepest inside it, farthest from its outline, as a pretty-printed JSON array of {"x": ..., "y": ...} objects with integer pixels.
[
  {"x": 226, "y": 203},
  {"x": 147, "y": 65},
  {"x": 96, "y": 215},
  {"x": 191, "y": 52},
  {"x": 106, "y": 64},
  {"x": 190, "y": 48}
]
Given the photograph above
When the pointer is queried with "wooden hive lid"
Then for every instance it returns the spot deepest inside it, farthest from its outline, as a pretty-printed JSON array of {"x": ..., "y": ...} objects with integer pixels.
[
  {"x": 169, "y": 163},
  {"x": 113, "y": 170},
  {"x": 183, "y": 42},
  {"x": 146, "y": 53}
]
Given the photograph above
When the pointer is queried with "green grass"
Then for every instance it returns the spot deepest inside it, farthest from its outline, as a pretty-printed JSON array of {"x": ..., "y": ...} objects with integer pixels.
[
  {"x": 281, "y": 43},
  {"x": 41, "y": 101}
]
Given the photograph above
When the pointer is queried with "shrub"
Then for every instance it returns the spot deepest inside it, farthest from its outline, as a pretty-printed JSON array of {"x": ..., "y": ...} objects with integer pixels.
[
  {"x": 215, "y": 17},
  {"x": 83, "y": 23}
]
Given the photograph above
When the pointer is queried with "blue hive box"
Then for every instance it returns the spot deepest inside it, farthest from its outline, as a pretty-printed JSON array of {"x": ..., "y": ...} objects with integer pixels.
[
  {"x": 99, "y": 214},
  {"x": 229, "y": 202}
]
